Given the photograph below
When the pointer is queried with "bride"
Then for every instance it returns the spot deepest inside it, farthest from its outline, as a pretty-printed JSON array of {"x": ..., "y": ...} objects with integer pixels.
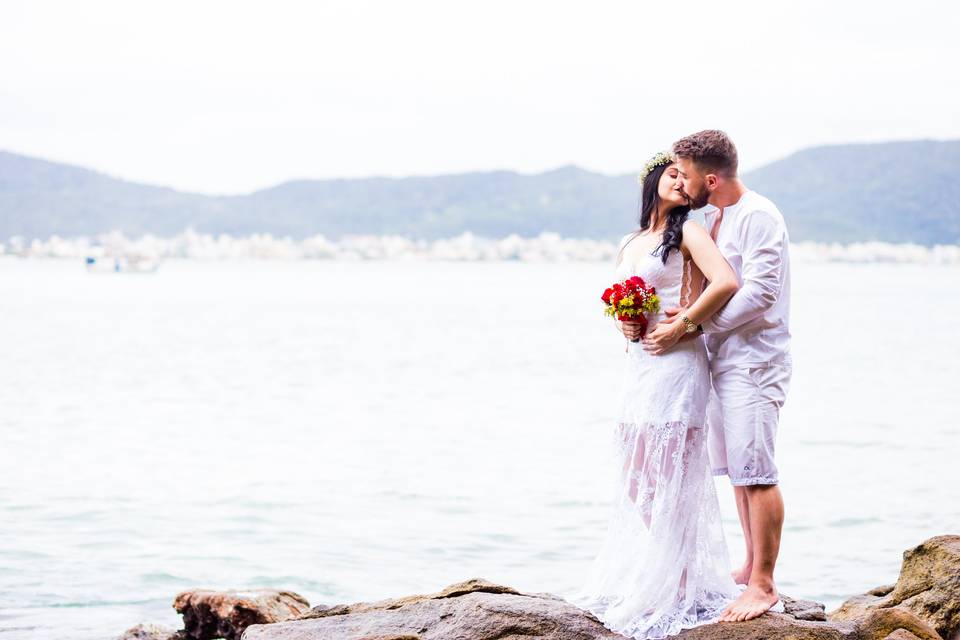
[{"x": 663, "y": 565}]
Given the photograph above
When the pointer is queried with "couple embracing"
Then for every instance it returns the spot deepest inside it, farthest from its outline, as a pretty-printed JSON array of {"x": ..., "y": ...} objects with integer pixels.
[{"x": 701, "y": 397}]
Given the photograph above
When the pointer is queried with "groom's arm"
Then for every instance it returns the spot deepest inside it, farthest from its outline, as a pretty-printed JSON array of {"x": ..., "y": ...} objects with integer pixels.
[{"x": 761, "y": 242}]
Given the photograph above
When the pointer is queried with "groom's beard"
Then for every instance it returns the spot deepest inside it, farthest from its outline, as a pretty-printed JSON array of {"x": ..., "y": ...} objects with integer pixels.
[{"x": 699, "y": 201}]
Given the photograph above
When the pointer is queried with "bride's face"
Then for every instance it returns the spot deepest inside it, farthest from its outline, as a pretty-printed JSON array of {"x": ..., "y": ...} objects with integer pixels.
[{"x": 668, "y": 189}]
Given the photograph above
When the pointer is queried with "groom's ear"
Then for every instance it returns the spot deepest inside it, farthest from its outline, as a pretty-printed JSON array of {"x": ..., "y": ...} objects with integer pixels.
[{"x": 712, "y": 181}]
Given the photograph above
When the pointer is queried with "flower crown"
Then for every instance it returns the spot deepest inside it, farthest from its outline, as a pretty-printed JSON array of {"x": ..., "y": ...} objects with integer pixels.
[{"x": 663, "y": 157}]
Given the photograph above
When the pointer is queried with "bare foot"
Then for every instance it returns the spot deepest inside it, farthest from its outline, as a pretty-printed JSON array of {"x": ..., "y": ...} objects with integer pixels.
[
  {"x": 742, "y": 575},
  {"x": 752, "y": 603}
]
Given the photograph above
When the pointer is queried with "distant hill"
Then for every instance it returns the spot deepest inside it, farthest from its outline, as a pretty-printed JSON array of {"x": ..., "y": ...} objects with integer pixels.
[
  {"x": 40, "y": 198},
  {"x": 895, "y": 192}
]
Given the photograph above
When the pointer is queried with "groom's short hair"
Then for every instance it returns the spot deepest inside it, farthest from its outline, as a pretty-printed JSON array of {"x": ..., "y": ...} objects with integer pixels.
[{"x": 712, "y": 150}]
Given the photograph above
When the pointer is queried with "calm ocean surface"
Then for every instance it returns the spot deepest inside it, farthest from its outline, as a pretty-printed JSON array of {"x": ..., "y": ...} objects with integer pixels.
[{"x": 361, "y": 430}]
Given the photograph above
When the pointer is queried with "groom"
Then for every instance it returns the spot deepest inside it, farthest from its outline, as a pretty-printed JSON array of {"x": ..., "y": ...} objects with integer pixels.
[{"x": 748, "y": 342}]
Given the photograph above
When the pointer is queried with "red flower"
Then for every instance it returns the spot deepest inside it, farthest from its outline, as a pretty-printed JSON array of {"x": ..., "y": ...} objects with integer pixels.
[{"x": 606, "y": 296}]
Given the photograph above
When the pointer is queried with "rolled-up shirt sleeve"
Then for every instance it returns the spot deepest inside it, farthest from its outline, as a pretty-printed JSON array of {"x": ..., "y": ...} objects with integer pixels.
[{"x": 762, "y": 244}]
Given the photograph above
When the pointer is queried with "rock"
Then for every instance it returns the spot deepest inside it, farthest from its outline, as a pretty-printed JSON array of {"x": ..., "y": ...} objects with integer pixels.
[
  {"x": 481, "y": 610},
  {"x": 928, "y": 588},
  {"x": 471, "y": 610},
  {"x": 901, "y": 634},
  {"x": 804, "y": 609},
  {"x": 151, "y": 632},
  {"x": 771, "y": 626},
  {"x": 225, "y": 614},
  {"x": 454, "y": 590},
  {"x": 883, "y": 623},
  {"x": 782, "y": 626}
]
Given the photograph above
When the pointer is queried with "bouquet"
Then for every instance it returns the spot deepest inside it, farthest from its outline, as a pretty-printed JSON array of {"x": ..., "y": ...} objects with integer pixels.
[{"x": 628, "y": 300}]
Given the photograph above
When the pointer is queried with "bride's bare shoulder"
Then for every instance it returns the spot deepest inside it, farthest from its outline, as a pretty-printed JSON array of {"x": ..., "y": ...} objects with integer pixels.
[
  {"x": 691, "y": 223},
  {"x": 693, "y": 230},
  {"x": 624, "y": 241},
  {"x": 627, "y": 238},
  {"x": 693, "y": 233}
]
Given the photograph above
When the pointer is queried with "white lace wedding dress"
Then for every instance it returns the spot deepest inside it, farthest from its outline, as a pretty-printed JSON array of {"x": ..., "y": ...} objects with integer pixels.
[{"x": 663, "y": 565}]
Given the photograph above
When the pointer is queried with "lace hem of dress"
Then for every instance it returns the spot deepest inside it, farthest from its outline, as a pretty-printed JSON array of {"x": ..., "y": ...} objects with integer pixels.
[
  {"x": 663, "y": 565},
  {"x": 705, "y": 610}
]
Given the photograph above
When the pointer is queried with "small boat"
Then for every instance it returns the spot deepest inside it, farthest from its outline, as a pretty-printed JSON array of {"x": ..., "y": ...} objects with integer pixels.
[{"x": 122, "y": 264}]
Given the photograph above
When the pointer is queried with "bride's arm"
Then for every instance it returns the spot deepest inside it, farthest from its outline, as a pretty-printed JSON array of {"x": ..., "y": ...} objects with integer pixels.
[
  {"x": 722, "y": 285},
  {"x": 723, "y": 281}
]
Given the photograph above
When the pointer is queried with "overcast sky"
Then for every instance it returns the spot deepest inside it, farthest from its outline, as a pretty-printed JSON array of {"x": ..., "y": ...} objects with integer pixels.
[{"x": 229, "y": 97}]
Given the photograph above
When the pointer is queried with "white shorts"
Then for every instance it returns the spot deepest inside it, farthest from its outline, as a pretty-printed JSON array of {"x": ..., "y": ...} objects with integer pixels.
[{"x": 742, "y": 417}]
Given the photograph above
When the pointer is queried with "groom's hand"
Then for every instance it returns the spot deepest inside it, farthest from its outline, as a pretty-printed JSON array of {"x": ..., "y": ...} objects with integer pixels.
[{"x": 664, "y": 336}]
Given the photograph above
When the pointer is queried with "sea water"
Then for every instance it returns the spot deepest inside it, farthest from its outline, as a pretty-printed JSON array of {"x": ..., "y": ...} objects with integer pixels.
[{"x": 362, "y": 430}]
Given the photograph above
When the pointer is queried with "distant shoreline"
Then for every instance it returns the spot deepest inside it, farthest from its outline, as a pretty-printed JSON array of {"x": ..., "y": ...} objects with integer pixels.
[
  {"x": 465, "y": 247},
  {"x": 902, "y": 191}
]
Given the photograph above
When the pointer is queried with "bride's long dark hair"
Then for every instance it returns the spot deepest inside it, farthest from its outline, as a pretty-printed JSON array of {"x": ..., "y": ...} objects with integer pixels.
[{"x": 650, "y": 203}]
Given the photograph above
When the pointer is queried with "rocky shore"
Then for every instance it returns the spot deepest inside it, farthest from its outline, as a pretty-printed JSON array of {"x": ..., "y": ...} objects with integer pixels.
[{"x": 924, "y": 604}]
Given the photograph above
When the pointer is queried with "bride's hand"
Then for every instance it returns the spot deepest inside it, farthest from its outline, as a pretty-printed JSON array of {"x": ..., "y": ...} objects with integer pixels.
[
  {"x": 664, "y": 335},
  {"x": 631, "y": 330}
]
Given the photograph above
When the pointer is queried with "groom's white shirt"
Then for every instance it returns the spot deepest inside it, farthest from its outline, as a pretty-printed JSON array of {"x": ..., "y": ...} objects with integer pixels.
[{"x": 752, "y": 328}]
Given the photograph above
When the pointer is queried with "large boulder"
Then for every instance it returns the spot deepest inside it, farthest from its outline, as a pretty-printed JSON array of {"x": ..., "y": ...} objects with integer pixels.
[
  {"x": 928, "y": 588},
  {"x": 225, "y": 614}
]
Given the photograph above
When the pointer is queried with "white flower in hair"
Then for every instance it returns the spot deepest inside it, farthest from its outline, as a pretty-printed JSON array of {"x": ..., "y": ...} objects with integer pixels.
[{"x": 664, "y": 157}]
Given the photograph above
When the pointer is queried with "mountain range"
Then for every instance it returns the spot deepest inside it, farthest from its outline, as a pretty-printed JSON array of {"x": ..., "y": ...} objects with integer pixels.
[{"x": 892, "y": 192}]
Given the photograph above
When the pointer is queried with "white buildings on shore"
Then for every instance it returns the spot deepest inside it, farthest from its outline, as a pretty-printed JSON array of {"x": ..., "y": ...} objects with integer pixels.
[{"x": 546, "y": 247}]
